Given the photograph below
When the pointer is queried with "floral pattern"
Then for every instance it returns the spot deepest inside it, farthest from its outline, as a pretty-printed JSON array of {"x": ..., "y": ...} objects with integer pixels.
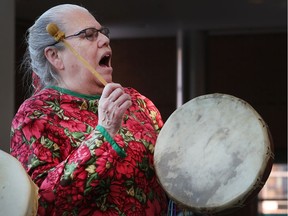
[{"x": 54, "y": 136}]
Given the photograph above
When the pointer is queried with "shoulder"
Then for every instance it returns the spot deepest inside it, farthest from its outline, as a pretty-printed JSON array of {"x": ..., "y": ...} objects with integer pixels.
[
  {"x": 36, "y": 105},
  {"x": 39, "y": 99},
  {"x": 141, "y": 101},
  {"x": 145, "y": 105},
  {"x": 135, "y": 95},
  {"x": 132, "y": 92}
]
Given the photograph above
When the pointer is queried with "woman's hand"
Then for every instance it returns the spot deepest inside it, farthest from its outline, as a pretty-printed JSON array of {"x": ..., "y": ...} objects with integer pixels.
[{"x": 112, "y": 106}]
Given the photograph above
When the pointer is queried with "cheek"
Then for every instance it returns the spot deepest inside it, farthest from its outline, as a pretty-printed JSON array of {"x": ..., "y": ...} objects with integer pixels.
[
  {"x": 92, "y": 58},
  {"x": 69, "y": 58},
  {"x": 72, "y": 63},
  {"x": 74, "y": 66},
  {"x": 85, "y": 50}
]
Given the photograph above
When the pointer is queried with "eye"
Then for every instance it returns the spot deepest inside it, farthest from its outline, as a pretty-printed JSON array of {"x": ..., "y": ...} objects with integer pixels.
[{"x": 91, "y": 34}]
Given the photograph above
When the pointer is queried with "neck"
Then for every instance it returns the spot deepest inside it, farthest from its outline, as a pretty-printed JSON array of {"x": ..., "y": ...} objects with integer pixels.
[{"x": 83, "y": 89}]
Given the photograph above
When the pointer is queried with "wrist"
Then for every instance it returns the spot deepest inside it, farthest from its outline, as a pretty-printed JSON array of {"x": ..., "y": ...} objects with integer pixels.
[{"x": 109, "y": 138}]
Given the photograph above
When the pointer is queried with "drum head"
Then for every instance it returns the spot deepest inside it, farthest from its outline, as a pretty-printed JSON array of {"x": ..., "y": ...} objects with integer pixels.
[
  {"x": 213, "y": 153},
  {"x": 18, "y": 193}
]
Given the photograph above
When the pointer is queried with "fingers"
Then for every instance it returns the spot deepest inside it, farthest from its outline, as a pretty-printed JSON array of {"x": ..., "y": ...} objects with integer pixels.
[
  {"x": 122, "y": 100},
  {"x": 114, "y": 96},
  {"x": 110, "y": 88},
  {"x": 112, "y": 106}
]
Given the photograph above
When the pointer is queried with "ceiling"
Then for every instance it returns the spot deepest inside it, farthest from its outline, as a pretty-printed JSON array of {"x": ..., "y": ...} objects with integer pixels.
[{"x": 168, "y": 16}]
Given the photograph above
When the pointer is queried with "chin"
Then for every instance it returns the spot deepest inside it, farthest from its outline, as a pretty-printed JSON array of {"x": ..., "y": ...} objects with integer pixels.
[
  {"x": 107, "y": 78},
  {"x": 108, "y": 75}
]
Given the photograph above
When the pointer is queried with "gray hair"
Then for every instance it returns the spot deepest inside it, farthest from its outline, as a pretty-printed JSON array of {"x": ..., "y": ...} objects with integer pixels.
[{"x": 38, "y": 39}]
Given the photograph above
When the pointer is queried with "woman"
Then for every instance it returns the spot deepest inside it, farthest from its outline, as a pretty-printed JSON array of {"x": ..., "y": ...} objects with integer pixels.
[{"x": 87, "y": 146}]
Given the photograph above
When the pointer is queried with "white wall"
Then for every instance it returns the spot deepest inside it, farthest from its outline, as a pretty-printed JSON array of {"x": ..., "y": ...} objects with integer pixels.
[{"x": 7, "y": 72}]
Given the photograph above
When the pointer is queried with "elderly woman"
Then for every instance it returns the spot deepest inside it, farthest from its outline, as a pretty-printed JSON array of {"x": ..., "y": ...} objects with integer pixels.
[{"x": 87, "y": 146}]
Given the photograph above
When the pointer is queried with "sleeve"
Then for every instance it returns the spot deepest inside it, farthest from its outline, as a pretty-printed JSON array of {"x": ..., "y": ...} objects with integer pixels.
[
  {"x": 64, "y": 179},
  {"x": 112, "y": 142}
]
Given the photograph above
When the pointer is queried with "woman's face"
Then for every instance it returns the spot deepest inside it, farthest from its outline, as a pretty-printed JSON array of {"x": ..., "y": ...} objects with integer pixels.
[{"x": 94, "y": 49}]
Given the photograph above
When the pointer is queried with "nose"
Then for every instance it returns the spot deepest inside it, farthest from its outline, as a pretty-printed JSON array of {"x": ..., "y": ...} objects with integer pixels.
[{"x": 103, "y": 40}]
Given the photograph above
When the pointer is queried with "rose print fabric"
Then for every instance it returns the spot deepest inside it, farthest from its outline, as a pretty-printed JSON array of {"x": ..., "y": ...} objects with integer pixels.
[{"x": 79, "y": 168}]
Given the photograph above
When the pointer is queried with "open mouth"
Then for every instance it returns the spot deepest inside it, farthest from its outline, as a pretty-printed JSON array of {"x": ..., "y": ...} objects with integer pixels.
[{"x": 105, "y": 60}]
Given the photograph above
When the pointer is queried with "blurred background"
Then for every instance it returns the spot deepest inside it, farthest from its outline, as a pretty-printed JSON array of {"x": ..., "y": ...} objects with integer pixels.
[{"x": 173, "y": 51}]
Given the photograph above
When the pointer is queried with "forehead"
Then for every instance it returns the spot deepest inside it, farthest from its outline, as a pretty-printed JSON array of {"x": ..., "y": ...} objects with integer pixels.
[{"x": 79, "y": 19}]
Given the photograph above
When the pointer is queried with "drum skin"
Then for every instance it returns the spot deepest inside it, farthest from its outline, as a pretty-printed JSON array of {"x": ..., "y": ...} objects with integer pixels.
[
  {"x": 18, "y": 193},
  {"x": 213, "y": 154}
]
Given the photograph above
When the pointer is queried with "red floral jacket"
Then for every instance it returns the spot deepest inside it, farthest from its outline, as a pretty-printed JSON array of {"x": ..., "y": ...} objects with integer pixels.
[{"x": 78, "y": 167}]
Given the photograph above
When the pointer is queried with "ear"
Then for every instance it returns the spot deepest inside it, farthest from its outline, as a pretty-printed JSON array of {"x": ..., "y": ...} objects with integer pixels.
[{"x": 54, "y": 57}]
